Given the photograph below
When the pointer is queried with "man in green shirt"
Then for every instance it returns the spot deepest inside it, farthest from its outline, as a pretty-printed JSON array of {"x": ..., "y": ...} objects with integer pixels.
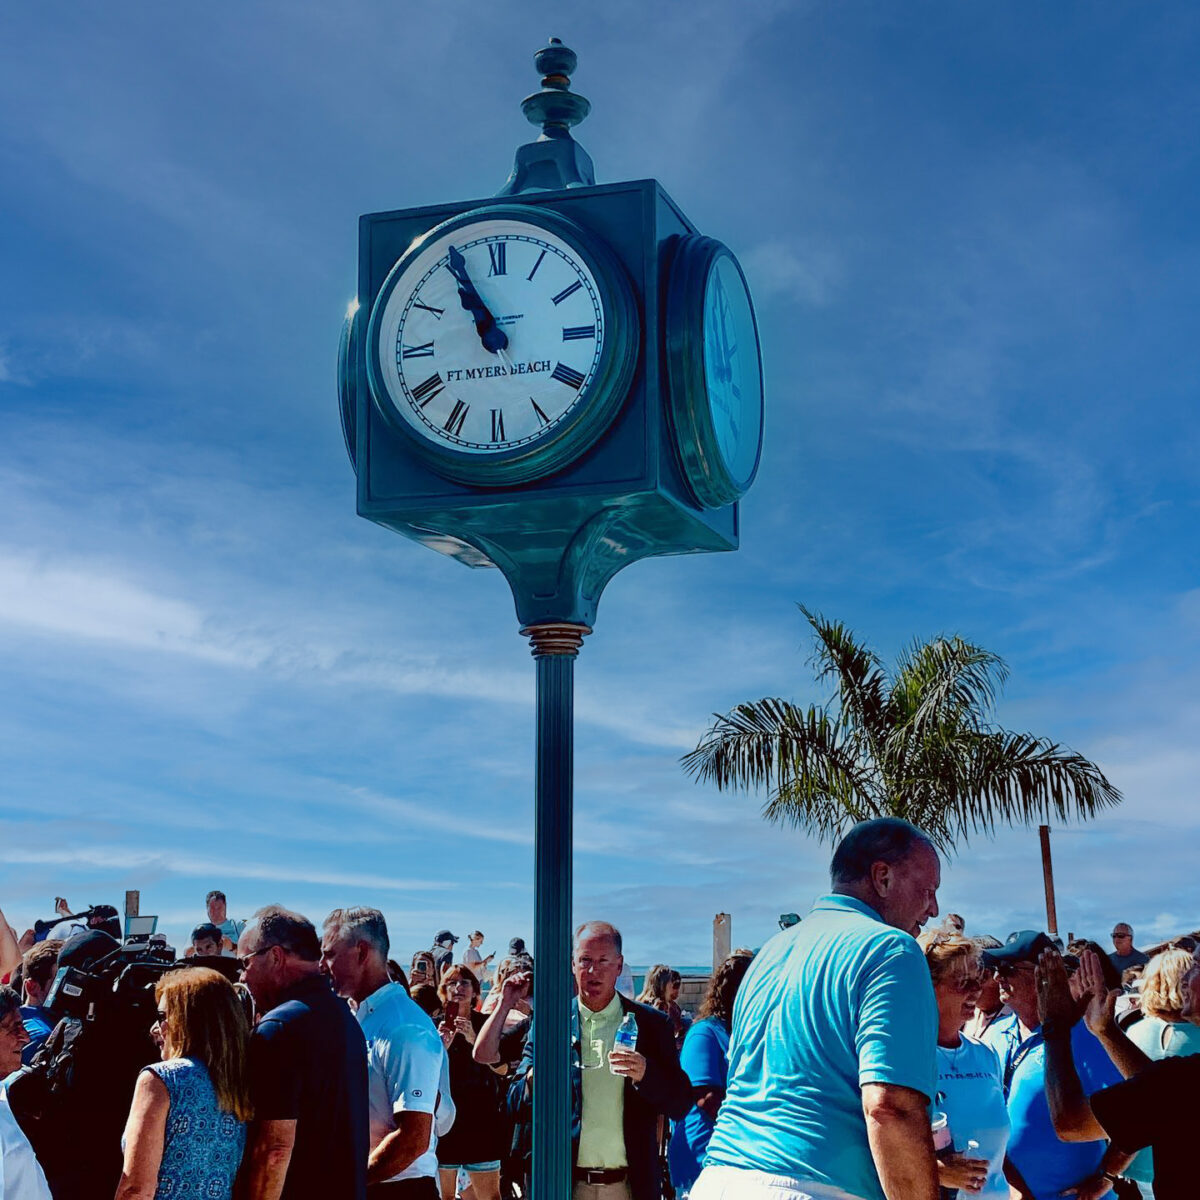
[{"x": 617, "y": 1096}]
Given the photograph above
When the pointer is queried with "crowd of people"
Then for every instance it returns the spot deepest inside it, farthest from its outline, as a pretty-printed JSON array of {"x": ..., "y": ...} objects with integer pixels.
[{"x": 853, "y": 1057}]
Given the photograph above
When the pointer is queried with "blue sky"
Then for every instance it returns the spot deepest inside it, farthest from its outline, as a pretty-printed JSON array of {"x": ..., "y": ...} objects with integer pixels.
[{"x": 972, "y": 236}]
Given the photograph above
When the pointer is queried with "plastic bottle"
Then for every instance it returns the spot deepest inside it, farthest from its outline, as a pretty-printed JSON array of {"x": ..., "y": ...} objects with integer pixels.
[{"x": 626, "y": 1038}]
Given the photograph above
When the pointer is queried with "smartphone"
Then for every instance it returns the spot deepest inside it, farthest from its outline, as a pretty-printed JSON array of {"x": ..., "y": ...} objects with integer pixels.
[{"x": 450, "y": 1011}]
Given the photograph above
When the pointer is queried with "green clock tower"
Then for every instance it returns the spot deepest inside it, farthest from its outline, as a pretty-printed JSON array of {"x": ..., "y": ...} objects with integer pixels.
[{"x": 556, "y": 381}]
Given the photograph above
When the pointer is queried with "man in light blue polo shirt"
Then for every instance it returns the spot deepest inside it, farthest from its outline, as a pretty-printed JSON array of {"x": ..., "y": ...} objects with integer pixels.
[{"x": 832, "y": 1055}]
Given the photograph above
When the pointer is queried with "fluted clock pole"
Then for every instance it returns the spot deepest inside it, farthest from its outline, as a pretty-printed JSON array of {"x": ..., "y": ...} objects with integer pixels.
[{"x": 555, "y": 647}]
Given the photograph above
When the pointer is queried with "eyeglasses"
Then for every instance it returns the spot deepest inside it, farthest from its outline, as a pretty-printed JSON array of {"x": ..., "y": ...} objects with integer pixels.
[
  {"x": 160, "y": 1017},
  {"x": 1008, "y": 970},
  {"x": 244, "y": 960}
]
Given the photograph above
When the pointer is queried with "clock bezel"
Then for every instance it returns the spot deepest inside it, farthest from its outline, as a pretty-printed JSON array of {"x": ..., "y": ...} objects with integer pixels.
[
  {"x": 599, "y": 401},
  {"x": 709, "y": 477}
]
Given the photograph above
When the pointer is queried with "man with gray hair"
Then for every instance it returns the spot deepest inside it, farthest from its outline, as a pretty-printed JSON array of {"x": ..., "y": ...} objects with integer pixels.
[
  {"x": 832, "y": 1055},
  {"x": 616, "y": 1106},
  {"x": 405, "y": 1058},
  {"x": 308, "y": 1069}
]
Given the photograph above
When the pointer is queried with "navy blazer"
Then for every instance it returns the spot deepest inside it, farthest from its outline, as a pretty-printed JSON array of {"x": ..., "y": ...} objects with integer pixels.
[{"x": 664, "y": 1090}]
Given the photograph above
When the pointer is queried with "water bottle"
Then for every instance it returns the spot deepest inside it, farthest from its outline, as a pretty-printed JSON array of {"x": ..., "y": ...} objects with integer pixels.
[{"x": 626, "y": 1038}]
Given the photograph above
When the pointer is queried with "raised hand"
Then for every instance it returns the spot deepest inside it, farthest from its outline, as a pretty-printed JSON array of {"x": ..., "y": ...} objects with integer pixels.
[
  {"x": 494, "y": 338},
  {"x": 1056, "y": 1005},
  {"x": 1100, "y": 1013}
]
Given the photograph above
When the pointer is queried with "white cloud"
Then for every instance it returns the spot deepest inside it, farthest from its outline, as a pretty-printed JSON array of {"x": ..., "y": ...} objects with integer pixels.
[{"x": 803, "y": 269}]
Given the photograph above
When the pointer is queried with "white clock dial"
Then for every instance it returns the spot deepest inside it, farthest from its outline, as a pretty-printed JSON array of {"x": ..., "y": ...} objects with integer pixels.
[{"x": 491, "y": 337}]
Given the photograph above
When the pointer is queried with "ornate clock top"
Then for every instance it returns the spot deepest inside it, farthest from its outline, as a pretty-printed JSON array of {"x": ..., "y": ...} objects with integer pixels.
[{"x": 555, "y": 160}]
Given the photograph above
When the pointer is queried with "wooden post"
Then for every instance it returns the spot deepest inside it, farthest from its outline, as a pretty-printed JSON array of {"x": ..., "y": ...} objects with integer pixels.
[
  {"x": 722, "y": 938},
  {"x": 1048, "y": 880}
]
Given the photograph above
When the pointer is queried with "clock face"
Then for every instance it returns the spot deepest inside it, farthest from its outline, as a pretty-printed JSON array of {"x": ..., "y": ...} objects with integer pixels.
[
  {"x": 714, "y": 369},
  {"x": 492, "y": 338},
  {"x": 732, "y": 369}
]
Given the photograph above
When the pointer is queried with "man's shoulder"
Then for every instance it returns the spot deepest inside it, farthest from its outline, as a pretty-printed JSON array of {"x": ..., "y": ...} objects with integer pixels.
[
  {"x": 643, "y": 1012},
  {"x": 397, "y": 1017}
]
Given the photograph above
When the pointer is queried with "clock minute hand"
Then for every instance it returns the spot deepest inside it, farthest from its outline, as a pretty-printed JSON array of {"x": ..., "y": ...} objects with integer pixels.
[{"x": 491, "y": 335}]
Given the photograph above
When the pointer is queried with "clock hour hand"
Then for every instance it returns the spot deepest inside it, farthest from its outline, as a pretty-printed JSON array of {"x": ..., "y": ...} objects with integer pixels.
[{"x": 491, "y": 335}]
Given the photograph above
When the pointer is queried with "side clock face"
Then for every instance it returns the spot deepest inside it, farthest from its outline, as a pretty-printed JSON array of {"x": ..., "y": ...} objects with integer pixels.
[
  {"x": 503, "y": 342},
  {"x": 714, "y": 371}
]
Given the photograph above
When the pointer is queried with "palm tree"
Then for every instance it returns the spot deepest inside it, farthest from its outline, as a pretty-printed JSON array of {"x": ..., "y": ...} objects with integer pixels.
[{"x": 914, "y": 742}]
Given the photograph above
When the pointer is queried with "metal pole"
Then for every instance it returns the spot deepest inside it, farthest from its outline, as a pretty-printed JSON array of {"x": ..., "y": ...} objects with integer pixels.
[
  {"x": 1048, "y": 880},
  {"x": 555, "y": 647}
]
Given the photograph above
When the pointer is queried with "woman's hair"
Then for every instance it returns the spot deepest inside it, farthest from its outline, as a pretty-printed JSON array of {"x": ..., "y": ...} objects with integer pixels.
[
  {"x": 1162, "y": 984},
  {"x": 205, "y": 1021},
  {"x": 425, "y": 997},
  {"x": 948, "y": 954},
  {"x": 654, "y": 990},
  {"x": 723, "y": 986},
  {"x": 511, "y": 965},
  {"x": 458, "y": 971},
  {"x": 676, "y": 977}
]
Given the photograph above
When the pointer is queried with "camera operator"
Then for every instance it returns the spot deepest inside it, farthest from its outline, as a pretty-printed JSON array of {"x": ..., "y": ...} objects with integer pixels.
[
  {"x": 21, "y": 1177},
  {"x": 72, "y": 1101}
]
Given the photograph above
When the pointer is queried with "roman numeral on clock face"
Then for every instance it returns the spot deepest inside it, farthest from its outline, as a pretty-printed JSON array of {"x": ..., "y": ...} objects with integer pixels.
[
  {"x": 567, "y": 375},
  {"x": 456, "y": 419},
  {"x": 498, "y": 254},
  {"x": 424, "y": 392},
  {"x": 541, "y": 416},
  {"x": 423, "y": 351},
  {"x": 497, "y": 424},
  {"x": 573, "y": 333},
  {"x": 437, "y": 312},
  {"x": 536, "y": 265},
  {"x": 567, "y": 291}
]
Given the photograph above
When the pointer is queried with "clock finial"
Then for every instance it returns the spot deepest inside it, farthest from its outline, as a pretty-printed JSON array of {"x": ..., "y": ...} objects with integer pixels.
[{"x": 555, "y": 160}]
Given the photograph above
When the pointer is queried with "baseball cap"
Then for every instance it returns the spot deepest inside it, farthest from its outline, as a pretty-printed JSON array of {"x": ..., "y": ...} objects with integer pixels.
[
  {"x": 1025, "y": 945},
  {"x": 443, "y": 935}
]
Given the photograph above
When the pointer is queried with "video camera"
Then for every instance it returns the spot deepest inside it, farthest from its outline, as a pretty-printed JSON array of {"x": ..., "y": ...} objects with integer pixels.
[
  {"x": 125, "y": 976},
  {"x": 95, "y": 916}
]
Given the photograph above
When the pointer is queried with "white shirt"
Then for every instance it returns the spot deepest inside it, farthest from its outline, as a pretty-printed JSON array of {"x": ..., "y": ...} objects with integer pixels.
[
  {"x": 21, "y": 1176},
  {"x": 407, "y": 1070}
]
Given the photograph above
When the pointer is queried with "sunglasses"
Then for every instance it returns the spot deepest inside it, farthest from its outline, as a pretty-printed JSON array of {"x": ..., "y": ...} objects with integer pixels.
[
  {"x": 965, "y": 983},
  {"x": 1008, "y": 970}
]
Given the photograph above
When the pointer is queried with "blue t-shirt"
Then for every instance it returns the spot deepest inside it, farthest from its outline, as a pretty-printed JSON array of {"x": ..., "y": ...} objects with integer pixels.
[
  {"x": 836, "y": 1002},
  {"x": 971, "y": 1096},
  {"x": 705, "y": 1061},
  {"x": 1047, "y": 1165},
  {"x": 39, "y": 1024}
]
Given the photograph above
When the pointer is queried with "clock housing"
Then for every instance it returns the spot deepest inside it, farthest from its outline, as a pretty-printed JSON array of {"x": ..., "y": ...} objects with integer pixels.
[{"x": 560, "y": 536}]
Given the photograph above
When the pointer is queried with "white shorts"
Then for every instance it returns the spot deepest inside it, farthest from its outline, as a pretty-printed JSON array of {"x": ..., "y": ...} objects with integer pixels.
[{"x": 732, "y": 1183}]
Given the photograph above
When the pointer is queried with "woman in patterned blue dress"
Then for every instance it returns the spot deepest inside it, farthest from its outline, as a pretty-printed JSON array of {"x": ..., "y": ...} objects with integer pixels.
[{"x": 187, "y": 1125}]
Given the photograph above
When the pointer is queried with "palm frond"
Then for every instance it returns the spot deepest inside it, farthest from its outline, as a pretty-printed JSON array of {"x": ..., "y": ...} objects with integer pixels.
[
  {"x": 1018, "y": 779},
  {"x": 947, "y": 680},
  {"x": 857, "y": 671}
]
